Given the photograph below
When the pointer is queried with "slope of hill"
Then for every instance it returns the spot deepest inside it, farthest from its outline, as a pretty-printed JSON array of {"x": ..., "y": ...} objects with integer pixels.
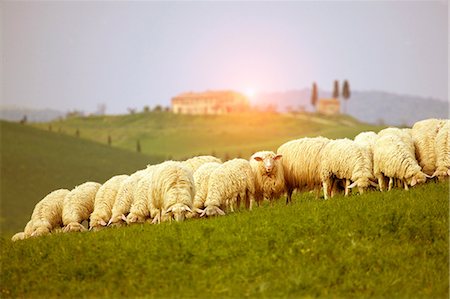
[
  {"x": 35, "y": 162},
  {"x": 182, "y": 136},
  {"x": 376, "y": 245},
  {"x": 373, "y": 107}
]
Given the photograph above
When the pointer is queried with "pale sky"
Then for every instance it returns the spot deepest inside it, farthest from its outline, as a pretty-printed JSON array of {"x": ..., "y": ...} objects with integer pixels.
[{"x": 76, "y": 55}]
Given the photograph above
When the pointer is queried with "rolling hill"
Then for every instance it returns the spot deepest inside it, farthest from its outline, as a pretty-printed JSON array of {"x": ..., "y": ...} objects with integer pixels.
[
  {"x": 35, "y": 162},
  {"x": 182, "y": 136}
]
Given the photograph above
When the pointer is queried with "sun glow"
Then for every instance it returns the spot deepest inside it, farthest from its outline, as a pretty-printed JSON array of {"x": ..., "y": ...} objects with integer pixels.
[{"x": 250, "y": 93}]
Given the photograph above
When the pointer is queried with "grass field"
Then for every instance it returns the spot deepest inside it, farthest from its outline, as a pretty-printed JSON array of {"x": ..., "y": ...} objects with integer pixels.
[
  {"x": 182, "y": 136},
  {"x": 36, "y": 162},
  {"x": 382, "y": 245}
]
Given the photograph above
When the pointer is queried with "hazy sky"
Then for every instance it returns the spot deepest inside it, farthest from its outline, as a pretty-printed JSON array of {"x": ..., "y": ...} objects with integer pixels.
[{"x": 76, "y": 55}]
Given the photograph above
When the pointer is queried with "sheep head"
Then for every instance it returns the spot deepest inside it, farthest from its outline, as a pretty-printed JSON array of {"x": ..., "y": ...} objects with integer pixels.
[
  {"x": 210, "y": 211},
  {"x": 418, "y": 178},
  {"x": 178, "y": 211},
  {"x": 133, "y": 218},
  {"x": 268, "y": 160}
]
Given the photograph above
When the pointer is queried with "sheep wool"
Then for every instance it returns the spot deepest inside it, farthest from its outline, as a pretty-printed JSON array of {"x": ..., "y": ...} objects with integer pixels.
[
  {"x": 395, "y": 160},
  {"x": 301, "y": 163},
  {"x": 46, "y": 216},
  {"x": 104, "y": 201},
  {"x": 442, "y": 151},
  {"x": 344, "y": 159},
  {"x": 269, "y": 176},
  {"x": 194, "y": 163},
  {"x": 201, "y": 179},
  {"x": 125, "y": 197},
  {"x": 78, "y": 206},
  {"x": 424, "y": 135},
  {"x": 367, "y": 140},
  {"x": 172, "y": 190},
  {"x": 229, "y": 184}
]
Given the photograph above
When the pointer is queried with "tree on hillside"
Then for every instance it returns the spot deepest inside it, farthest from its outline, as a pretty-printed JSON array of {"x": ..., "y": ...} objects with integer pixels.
[
  {"x": 336, "y": 89},
  {"x": 138, "y": 146},
  {"x": 346, "y": 93},
  {"x": 314, "y": 95}
]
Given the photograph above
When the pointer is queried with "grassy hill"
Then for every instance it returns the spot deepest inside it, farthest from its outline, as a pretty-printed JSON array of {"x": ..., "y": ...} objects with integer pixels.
[
  {"x": 382, "y": 245},
  {"x": 35, "y": 162},
  {"x": 182, "y": 136}
]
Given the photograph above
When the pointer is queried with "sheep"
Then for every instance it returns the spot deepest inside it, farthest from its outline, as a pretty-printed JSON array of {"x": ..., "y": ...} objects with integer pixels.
[
  {"x": 139, "y": 209},
  {"x": 345, "y": 160},
  {"x": 201, "y": 179},
  {"x": 301, "y": 163},
  {"x": 269, "y": 177},
  {"x": 125, "y": 198},
  {"x": 46, "y": 216},
  {"x": 171, "y": 191},
  {"x": 404, "y": 134},
  {"x": 104, "y": 201},
  {"x": 395, "y": 160},
  {"x": 367, "y": 140},
  {"x": 194, "y": 163},
  {"x": 424, "y": 135},
  {"x": 229, "y": 184},
  {"x": 78, "y": 206},
  {"x": 442, "y": 151}
]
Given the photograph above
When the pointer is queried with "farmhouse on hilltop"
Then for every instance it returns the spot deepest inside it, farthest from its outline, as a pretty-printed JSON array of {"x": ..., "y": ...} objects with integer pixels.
[
  {"x": 209, "y": 102},
  {"x": 328, "y": 106}
]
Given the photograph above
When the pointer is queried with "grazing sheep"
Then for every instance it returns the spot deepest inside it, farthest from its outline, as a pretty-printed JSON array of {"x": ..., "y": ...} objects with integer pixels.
[
  {"x": 394, "y": 159},
  {"x": 139, "y": 209},
  {"x": 229, "y": 184},
  {"x": 171, "y": 192},
  {"x": 104, "y": 201},
  {"x": 404, "y": 134},
  {"x": 344, "y": 159},
  {"x": 46, "y": 216},
  {"x": 194, "y": 163},
  {"x": 301, "y": 163},
  {"x": 442, "y": 152},
  {"x": 78, "y": 206},
  {"x": 125, "y": 198},
  {"x": 424, "y": 135},
  {"x": 269, "y": 177},
  {"x": 367, "y": 140},
  {"x": 201, "y": 179}
]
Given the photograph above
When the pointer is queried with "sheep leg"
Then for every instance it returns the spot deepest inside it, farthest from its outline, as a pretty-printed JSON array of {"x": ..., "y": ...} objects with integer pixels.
[
  {"x": 250, "y": 197},
  {"x": 347, "y": 189},
  {"x": 325, "y": 188},
  {"x": 405, "y": 185},
  {"x": 289, "y": 195},
  {"x": 380, "y": 181},
  {"x": 391, "y": 183}
]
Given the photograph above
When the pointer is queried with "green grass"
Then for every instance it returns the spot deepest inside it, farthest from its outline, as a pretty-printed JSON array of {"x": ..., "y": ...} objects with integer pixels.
[
  {"x": 182, "y": 136},
  {"x": 36, "y": 162},
  {"x": 382, "y": 245}
]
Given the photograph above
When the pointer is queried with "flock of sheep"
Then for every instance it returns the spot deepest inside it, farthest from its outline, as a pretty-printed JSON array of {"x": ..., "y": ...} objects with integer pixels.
[{"x": 204, "y": 186}]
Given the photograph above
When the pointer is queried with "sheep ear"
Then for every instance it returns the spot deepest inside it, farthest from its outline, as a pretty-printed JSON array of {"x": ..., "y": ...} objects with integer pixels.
[
  {"x": 413, "y": 181},
  {"x": 352, "y": 185},
  {"x": 259, "y": 159},
  {"x": 222, "y": 213},
  {"x": 168, "y": 210},
  {"x": 102, "y": 223},
  {"x": 448, "y": 172},
  {"x": 123, "y": 217},
  {"x": 278, "y": 157},
  {"x": 110, "y": 221},
  {"x": 188, "y": 209},
  {"x": 197, "y": 210},
  {"x": 203, "y": 213},
  {"x": 373, "y": 183},
  {"x": 430, "y": 176}
]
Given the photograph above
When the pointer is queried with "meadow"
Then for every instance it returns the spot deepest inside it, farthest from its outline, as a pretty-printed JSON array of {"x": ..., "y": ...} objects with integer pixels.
[
  {"x": 380, "y": 244},
  {"x": 383, "y": 245}
]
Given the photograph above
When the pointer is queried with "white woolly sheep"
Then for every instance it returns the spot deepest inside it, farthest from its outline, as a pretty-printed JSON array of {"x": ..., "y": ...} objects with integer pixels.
[
  {"x": 344, "y": 159},
  {"x": 194, "y": 163},
  {"x": 104, "y": 201},
  {"x": 394, "y": 159},
  {"x": 201, "y": 179},
  {"x": 269, "y": 177},
  {"x": 442, "y": 152},
  {"x": 229, "y": 184},
  {"x": 46, "y": 216},
  {"x": 139, "y": 209},
  {"x": 424, "y": 136},
  {"x": 404, "y": 134},
  {"x": 301, "y": 163},
  {"x": 124, "y": 198},
  {"x": 171, "y": 192},
  {"x": 367, "y": 140},
  {"x": 78, "y": 206}
]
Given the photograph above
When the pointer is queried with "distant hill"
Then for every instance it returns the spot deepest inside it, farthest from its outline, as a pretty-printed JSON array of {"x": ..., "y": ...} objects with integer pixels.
[
  {"x": 373, "y": 107},
  {"x": 33, "y": 115}
]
